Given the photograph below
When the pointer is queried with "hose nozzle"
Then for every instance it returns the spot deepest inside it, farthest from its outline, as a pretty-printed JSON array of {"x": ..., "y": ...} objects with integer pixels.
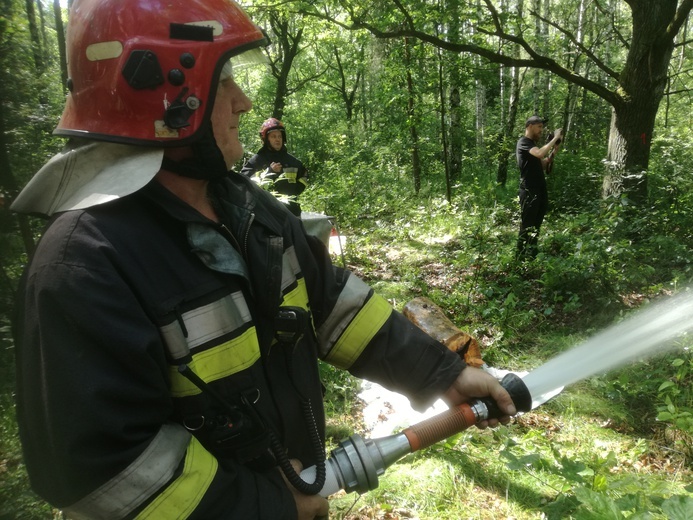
[{"x": 357, "y": 463}]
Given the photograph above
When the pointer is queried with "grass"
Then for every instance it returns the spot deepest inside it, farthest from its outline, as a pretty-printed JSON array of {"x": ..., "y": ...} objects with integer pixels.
[
  {"x": 595, "y": 452},
  {"x": 531, "y": 469}
]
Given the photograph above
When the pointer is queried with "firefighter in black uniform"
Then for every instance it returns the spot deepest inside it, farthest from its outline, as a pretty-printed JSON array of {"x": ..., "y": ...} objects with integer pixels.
[
  {"x": 172, "y": 318},
  {"x": 275, "y": 169}
]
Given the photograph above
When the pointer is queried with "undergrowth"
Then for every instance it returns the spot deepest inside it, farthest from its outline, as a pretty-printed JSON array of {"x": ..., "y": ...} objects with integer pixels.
[{"x": 612, "y": 447}]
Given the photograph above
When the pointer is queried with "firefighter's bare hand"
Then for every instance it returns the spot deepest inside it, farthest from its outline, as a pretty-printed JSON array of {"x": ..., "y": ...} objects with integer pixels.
[
  {"x": 474, "y": 382},
  {"x": 276, "y": 167},
  {"x": 309, "y": 507},
  {"x": 558, "y": 134}
]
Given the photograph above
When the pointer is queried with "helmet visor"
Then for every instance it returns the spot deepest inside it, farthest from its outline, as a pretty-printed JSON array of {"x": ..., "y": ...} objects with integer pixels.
[{"x": 240, "y": 64}]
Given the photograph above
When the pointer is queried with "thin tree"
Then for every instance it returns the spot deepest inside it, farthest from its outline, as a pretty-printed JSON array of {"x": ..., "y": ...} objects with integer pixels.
[
  {"x": 411, "y": 112},
  {"x": 60, "y": 35}
]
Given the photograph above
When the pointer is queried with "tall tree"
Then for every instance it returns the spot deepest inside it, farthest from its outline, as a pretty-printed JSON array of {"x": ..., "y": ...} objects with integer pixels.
[
  {"x": 507, "y": 142},
  {"x": 36, "y": 43},
  {"x": 348, "y": 76},
  {"x": 60, "y": 36},
  {"x": 289, "y": 37},
  {"x": 454, "y": 159},
  {"x": 412, "y": 117}
]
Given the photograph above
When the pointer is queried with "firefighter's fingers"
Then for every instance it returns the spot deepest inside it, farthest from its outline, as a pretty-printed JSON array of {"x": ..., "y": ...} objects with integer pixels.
[{"x": 308, "y": 507}]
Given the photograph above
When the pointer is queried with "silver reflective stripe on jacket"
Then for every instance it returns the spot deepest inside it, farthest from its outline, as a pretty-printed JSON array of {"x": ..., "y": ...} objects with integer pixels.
[
  {"x": 350, "y": 302},
  {"x": 291, "y": 268},
  {"x": 206, "y": 323},
  {"x": 139, "y": 481}
]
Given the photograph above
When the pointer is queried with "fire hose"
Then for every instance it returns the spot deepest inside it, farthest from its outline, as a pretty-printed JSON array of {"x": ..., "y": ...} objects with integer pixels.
[{"x": 357, "y": 463}]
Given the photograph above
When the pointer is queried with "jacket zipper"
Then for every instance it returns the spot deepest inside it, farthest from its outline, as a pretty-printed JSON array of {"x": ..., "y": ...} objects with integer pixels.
[{"x": 234, "y": 241}]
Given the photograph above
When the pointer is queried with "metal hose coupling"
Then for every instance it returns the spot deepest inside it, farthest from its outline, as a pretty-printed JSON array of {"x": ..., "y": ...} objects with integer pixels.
[{"x": 357, "y": 463}]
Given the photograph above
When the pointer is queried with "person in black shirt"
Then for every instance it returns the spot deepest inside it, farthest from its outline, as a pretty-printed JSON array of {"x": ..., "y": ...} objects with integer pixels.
[
  {"x": 275, "y": 169},
  {"x": 534, "y": 198}
]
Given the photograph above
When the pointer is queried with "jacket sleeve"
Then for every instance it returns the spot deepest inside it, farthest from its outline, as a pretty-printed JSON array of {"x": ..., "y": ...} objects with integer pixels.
[
  {"x": 358, "y": 330},
  {"x": 253, "y": 165},
  {"x": 93, "y": 403}
]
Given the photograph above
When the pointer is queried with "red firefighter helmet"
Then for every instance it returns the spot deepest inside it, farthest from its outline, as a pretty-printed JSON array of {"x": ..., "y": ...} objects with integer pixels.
[
  {"x": 146, "y": 71},
  {"x": 272, "y": 124}
]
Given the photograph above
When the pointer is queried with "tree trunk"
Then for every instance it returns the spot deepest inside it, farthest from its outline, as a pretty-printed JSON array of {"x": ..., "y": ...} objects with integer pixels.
[
  {"x": 454, "y": 159},
  {"x": 289, "y": 47},
  {"x": 411, "y": 111},
  {"x": 60, "y": 36},
  {"x": 347, "y": 93},
  {"x": 479, "y": 103},
  {"x": 508, "y": 142},
  {"x": 35, "y": 36},
  {"x": 643, "y": 81},
  {"x": 443, "y": 132},
  {"x": 480, "y": 111}
]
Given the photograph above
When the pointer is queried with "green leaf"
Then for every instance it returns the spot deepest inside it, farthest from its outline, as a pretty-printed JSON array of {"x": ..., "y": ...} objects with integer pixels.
[
  {"x": 679, "y": 507},
  {"x": 664, "y": 385},
  {"x": 598, "y": 505},
  {"x": 600, "y": 483}
]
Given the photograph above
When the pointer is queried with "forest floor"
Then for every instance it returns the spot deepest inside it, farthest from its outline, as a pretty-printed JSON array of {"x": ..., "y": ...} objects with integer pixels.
[{"x": 585, "y": 454}]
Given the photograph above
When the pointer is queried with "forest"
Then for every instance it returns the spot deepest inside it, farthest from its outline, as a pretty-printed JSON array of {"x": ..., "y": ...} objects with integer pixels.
[{"x": 406, "y": 114}]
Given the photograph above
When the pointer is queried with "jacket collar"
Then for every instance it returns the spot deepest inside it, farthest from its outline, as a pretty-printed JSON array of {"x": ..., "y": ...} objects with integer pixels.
[{"x": 241, "y": 203}]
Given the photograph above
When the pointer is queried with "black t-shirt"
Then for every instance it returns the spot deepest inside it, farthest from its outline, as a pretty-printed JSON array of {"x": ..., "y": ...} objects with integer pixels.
[{"x": 531, "y": 171}]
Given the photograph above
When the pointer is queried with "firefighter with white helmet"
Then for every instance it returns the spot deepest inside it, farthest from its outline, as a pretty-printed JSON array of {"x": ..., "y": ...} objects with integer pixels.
[{"x": 172, "y": 317}]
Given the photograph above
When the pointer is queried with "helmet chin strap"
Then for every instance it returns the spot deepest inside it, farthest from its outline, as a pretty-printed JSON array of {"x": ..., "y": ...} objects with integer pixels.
[{"x": 207, "y": 162}]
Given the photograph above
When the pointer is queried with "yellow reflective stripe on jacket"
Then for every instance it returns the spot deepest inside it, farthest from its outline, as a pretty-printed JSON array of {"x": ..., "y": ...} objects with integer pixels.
[
  {"x": 356, "y": 317},
  {"x": 298, "y": 297},
  {"x": 206, "y": 323},
  {"x": 360, "y": 332},
  {"x": 121, "y": 495},
  {"x": 351, "y": 299},
  {"x": 216, "y": 363},
  {"x": 291, "y": 275},
  {"x": 184, "y": 494}
]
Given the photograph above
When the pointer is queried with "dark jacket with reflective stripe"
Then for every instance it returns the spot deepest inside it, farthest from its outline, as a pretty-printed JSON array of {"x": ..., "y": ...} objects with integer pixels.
[
  {"x": 118, "y": 294},
  {"x": 290, "y": 181}
]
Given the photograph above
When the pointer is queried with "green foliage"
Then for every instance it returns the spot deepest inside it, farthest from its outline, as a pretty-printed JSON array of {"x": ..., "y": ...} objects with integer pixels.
[
  {"x": 675, "y": 396},
  {"x": 596, "y": 488}
]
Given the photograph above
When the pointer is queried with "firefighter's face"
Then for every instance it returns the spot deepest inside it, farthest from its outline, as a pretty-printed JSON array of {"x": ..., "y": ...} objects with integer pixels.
[
  {"x": 229, "y": 104},
  {"x": 275, "y": 139}
]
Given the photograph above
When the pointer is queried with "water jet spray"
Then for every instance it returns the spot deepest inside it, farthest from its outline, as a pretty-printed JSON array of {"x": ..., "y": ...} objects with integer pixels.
[{"x": 357, "y": 463}]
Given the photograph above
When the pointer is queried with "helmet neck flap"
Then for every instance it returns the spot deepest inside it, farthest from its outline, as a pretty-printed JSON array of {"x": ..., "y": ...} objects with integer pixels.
[{"x": 207, "y": 162}]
